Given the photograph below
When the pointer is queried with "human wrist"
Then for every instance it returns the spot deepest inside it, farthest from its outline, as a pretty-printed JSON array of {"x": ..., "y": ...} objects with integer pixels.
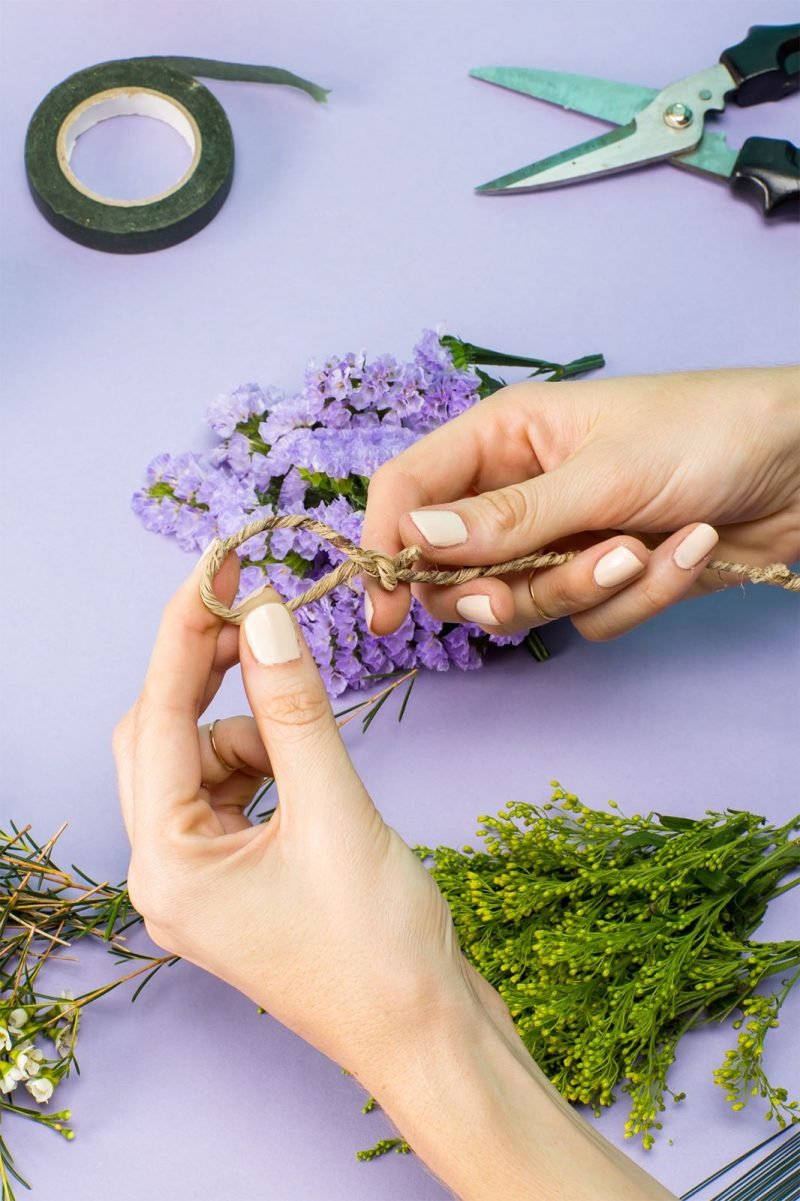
[{"x": 486, "y": 1121}]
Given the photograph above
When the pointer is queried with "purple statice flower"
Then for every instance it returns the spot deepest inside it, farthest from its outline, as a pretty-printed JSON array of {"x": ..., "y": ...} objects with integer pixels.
[
  {"x": 377, "y": 378},
  {"x": 286, "y": 582},
  {"x": 189, "y": 472},
  {"x": 430, "y": 355},
  {"x": 509, "y": 639},
  {"x": 228, "y": 409},
  {"x": 368, "y": 420},
  {"x": 250, "y": 578},
  {"x": 228, "y": 498},
  {"x": 290, "y": 413},
  {"x": 293, "y": 492},
  {"x": 317, "y": 623},
  {"x": 446, "y": 395},
  {"x": 239, "y": 455},
  {"x": 423, "y": 618},
  {"x": 341, "y": 516},
  {"x": 295, "y": 447},
  {"x": 350, "y": 416},
  {"x": 407, "y": 395},
  {"x": 373, "y": 656},
  {"x": 303, "y": 542},
  {"x": 431, "y": 652},
  {"x": 194, "y": 528},
  {"x": 159, "y": 470},
  {"x": 281, "y": 541},
  {"x": 339, "y": 382},
  {"x": 337, "y": 415},
  {"x": 461, "y": 651},
  {"x": 158, "y": 514},
  {"x": 255, "y": 547}
]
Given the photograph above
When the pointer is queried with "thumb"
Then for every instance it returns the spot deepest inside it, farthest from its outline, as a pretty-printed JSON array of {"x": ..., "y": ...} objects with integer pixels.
[
  {"x": 291, "y": 707},
  {"x": 515, "y": 520}
]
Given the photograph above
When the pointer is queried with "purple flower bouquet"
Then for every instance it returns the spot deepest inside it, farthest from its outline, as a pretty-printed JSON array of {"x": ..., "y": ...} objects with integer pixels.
[{"x": 313, "y": 452}]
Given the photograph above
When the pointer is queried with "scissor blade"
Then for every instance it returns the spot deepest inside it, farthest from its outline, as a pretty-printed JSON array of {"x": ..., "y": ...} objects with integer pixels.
[
  {"x": 712, "y": 157},
  {"x": 612, "y": 151},
  {"x": 614, "y": 102}
]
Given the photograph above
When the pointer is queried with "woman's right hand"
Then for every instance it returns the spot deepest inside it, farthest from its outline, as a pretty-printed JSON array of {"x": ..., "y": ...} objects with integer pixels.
[{"x": 650, "y": 475}]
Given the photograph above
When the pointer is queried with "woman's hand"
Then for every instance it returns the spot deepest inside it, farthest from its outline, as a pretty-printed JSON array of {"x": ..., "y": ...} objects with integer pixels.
[
  {"x": 323, "y": 915},
  {"x": 565, "y": 467}
]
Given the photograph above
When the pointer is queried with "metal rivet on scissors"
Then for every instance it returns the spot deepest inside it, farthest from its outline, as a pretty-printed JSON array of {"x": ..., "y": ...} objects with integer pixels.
[{"x": 668, "y": 124}]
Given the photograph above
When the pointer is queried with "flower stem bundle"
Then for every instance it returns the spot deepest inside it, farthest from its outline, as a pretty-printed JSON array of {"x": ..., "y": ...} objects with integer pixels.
[{"x": 43, "y": 911}]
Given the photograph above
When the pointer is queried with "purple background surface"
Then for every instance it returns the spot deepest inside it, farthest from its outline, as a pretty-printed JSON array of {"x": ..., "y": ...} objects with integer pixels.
[{"x": 356, "y": 226}]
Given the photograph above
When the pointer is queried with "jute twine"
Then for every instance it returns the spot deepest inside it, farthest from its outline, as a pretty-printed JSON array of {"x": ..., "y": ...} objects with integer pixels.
[{"x": 390, "y": 570}]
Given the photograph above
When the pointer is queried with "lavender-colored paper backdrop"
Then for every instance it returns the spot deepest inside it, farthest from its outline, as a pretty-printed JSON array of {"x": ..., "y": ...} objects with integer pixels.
[{"x": 348, "y": 227}]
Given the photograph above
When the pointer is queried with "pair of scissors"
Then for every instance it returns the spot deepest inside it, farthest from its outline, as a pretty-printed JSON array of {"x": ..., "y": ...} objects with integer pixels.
[{"x": 654, "y": 125}]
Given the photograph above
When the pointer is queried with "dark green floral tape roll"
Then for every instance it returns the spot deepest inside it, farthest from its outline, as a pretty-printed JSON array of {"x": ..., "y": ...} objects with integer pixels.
[{"x": 153, "y": 87}]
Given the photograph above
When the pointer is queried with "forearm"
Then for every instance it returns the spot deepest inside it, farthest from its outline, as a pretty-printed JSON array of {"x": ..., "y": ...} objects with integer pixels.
[{"x": 489, "y": 1124}]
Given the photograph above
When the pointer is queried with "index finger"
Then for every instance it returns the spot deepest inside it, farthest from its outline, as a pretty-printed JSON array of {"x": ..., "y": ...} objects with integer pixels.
[
  {"x": 166, "y": 774},
  {"x": 479, "y": 450}
]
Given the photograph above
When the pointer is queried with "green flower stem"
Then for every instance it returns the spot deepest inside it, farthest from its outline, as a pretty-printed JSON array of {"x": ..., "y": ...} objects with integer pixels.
[{"x": 466, "y": 354}]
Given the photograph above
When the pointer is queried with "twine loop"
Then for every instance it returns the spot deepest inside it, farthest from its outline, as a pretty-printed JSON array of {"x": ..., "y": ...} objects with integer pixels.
[{"x": 390, "y": 570}]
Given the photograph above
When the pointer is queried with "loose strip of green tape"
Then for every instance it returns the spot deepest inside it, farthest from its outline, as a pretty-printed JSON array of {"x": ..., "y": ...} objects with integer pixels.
[{"x": 161, "y": 87}]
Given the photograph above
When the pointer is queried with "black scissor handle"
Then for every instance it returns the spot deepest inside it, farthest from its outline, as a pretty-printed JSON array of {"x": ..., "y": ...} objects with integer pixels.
[
  {"x": 766, "y": 65},
  {"x": 768, "y": 170}
]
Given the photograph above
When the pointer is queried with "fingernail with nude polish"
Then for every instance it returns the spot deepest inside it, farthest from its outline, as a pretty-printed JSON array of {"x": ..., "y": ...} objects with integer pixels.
[
  {"x": 440, "y": 527},
  {"x": 616, "y": 567},
  {"x": 476, "y": 608},
  {"x": 369, "y": 609},
  {"x": 270, "y": 634},
  {"x": 695, "y": 546}
]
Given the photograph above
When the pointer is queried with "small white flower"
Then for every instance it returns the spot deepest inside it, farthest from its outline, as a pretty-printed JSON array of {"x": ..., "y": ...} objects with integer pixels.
[
  {"x": 24, "y": 1056},
  {"x": 41, "y": 1090},
  {"x": 5, "y": 1039},
  {"x": 17, "y": 1019},
  {"x": 10, "y": 1076},
  {"x": 62, "y": 1039},
  {"x": 69, "y": 996},
  {"x": 33, "y": 1061}
]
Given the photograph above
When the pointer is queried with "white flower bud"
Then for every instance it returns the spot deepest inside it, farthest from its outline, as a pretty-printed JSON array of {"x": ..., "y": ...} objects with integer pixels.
[
  {"x": 10, "y": 1076},
  {"x": 40, "y": 1089}
]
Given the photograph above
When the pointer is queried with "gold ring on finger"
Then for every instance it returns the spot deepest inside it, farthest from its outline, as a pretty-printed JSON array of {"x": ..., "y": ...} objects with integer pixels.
[
  {"x": 544, "y": 616},
  {"x": 222, "y": 762}
]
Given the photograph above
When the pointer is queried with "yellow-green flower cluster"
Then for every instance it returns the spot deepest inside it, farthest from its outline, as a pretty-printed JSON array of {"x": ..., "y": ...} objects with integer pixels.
[
  {"x": 742, "y": 1074},
  {"x": 610, "y": 936}
]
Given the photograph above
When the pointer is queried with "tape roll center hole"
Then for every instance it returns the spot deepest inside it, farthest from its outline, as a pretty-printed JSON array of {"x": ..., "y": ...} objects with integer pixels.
[{"x": 138, "y": 158}]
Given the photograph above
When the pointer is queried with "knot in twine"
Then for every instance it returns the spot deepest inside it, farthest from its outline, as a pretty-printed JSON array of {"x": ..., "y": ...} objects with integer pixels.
[{"x": 390, "y": 570}]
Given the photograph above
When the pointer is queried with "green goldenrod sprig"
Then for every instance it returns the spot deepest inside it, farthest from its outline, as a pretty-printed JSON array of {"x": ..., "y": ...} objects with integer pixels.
[
  {"x": 742, "y": 1074},
  {"x": 383, "y": 1147},
  {"x": 611, "y": 936}
]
